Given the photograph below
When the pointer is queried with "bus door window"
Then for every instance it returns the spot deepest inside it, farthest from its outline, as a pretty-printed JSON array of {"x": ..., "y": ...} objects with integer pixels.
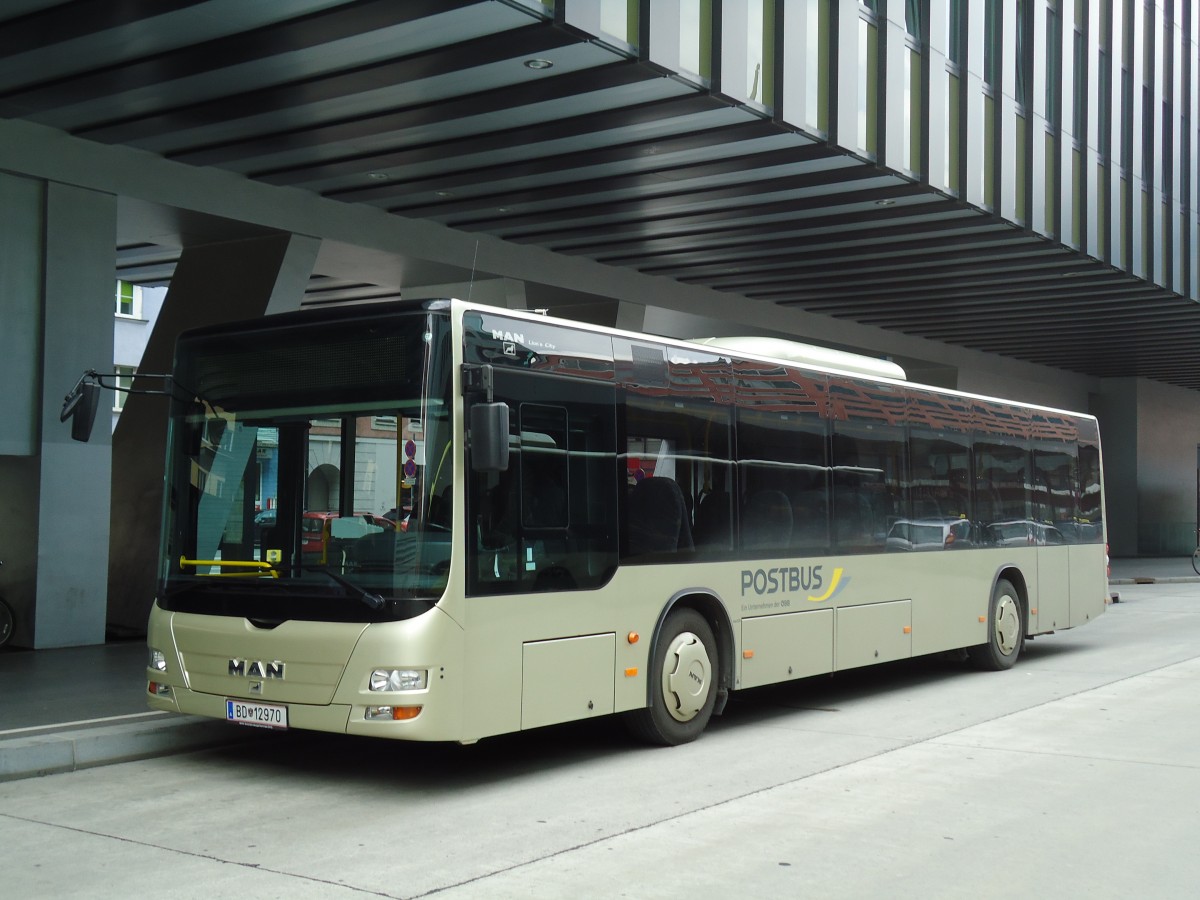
[
  {"x": 548, "y": 522},
  {"x": 225, "y": 483},
  {"x": 322, "y": 488}
]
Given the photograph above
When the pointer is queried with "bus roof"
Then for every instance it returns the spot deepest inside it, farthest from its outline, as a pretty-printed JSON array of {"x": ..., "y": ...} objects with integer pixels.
[{"x": 807, "y": 354}]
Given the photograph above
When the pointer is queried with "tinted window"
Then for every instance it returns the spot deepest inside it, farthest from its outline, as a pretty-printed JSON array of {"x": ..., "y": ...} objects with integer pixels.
[
  {"x": 869, "y": 463},
  {"x": 783, "y": 472}
]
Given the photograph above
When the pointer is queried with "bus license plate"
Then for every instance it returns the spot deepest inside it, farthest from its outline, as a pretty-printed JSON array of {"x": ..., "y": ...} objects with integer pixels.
[{"x": 261, "y": 715}]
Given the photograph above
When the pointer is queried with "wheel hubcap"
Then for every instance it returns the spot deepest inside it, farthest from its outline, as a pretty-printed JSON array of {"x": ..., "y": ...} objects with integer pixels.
[
  {"x": 1008, "y": 624},
  {"x": 687, "y": 672}
]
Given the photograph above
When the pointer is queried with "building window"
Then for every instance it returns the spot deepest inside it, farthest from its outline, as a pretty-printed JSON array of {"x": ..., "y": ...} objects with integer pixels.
[
  {"x": 695, "y": 38},
  {"x": 129, "y": 300},
  {"x": 124, "y": 381},
  {"x": 954, "y": 42},
  {"x": 1022, "y": 10},
  {"x": 1079, "y": 74},
  {"x": 816, "y": 63},
  {"x": 868, "y": 80},
  {"x": 914, "y": 83},
  {"x": 912, "y": 18},
  {"x": 1053, "y": 75},
  {"x": 991, "y": 44},
  {"x": 619, "y": 18}
]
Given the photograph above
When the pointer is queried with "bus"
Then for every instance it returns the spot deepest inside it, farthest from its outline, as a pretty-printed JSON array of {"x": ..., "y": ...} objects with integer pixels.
[{"x": 441, "y": 521}]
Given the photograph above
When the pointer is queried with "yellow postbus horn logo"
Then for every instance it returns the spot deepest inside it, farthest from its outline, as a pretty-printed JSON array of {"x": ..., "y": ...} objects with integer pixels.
[{"x": 836, "y": 584}]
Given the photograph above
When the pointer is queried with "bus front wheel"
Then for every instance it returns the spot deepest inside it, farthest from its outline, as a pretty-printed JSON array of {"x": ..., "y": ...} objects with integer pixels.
[
  {"x": 1006, "y": 630},
  {"x": 683, "y": 677}
]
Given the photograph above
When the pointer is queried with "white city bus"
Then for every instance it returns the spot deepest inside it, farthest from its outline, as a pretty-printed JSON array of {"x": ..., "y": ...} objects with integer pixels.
[{"x": 439, "y": 521}]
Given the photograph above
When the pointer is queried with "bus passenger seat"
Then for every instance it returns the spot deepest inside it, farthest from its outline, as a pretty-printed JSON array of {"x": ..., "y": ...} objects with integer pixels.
[
  {"x": 714, "y": 522},
  {"x": 767, "y": 520},
  {"x": 658, "y": 521}
]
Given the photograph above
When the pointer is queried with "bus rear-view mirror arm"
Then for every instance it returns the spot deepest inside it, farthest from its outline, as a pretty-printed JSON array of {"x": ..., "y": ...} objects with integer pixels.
[{"x": 83, "y": 401}]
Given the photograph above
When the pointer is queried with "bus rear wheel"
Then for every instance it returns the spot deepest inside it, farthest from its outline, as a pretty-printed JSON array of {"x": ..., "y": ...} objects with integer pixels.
[
  {"x": 683, "y": 687},
  {"x": 1006, "y": 630}
]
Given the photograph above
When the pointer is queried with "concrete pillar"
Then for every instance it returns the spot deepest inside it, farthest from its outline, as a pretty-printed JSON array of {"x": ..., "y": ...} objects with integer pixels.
[
  {"x": 212, "y": 283},
  {"x": 57, "y": 291},
  {"x": 1116, "y": 408}
]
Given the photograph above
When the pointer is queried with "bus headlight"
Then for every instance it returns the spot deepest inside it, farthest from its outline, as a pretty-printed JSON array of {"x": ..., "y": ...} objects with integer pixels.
[
  {"x": 399, "y": 679},
  {"x": 158, "y": 660}
]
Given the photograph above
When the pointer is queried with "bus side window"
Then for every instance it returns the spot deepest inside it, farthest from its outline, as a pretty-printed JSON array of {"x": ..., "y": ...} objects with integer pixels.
[
  {"x": 869, "y": 491},
  {"x": 678, "y": 477}
]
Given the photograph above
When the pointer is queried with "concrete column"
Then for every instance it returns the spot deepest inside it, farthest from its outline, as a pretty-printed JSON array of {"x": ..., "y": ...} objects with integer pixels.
[
  {"x": 212, "y": 283},
  {"x": 1116, "y": 408},
  {"x": 57, "y": 290},
  {"x": 21, "y": 244}
]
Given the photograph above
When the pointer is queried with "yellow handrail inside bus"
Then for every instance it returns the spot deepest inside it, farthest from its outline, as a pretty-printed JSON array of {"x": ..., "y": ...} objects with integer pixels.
[{"x": 258, "y": 566}]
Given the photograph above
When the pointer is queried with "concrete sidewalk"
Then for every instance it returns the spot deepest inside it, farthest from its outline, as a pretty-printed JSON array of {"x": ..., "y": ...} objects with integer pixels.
[
  {"x": 76, "y": 707},
  {"x": 1169, "y": 570},
  {"x": 68, "y": 709}
]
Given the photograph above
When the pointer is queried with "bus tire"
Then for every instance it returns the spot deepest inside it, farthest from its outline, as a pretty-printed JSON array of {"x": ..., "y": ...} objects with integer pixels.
[
  {"x": 683, "y": 682},
  {"x": 1006, "y": 630}
]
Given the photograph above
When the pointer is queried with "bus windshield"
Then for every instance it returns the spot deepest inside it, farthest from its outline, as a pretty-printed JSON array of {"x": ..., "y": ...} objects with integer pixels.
[{"x": 309, "y": 470}]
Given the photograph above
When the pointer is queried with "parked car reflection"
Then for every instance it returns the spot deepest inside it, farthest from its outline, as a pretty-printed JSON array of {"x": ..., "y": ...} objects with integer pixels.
[
  {"x": 940, "y": 533},
  {"x": 1024, "y": 533}
]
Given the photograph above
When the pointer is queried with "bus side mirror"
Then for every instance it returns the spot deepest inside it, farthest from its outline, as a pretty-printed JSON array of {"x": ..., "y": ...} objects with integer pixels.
[
  {"x": 80, "y": 407},
  {"x": 489, "y": 437}
]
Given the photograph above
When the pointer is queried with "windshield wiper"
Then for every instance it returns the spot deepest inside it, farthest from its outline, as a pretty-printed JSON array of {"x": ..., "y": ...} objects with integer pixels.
[{"x": 372, "y": 601}]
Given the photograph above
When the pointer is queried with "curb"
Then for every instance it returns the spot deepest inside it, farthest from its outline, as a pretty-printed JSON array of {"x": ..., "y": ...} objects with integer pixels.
[
  {"x": 1151, "y": 579},
  {"x": 67, "y": 751}
]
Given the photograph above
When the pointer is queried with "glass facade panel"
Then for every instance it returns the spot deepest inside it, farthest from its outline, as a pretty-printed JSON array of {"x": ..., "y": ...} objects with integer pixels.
[
  {"x": 816, "y": 62},
  {"x": 912, "y": 122},
  {"x": 695, "y": 37},
  {"x": 619, "y": 18},
  {"x": 954, "y": 37},
  {"x": 1051, "y": 182},
  {"x": 988, "y": 170},
  {"x": 868, "y": 86},
  {"x": 953, "y": 128}
]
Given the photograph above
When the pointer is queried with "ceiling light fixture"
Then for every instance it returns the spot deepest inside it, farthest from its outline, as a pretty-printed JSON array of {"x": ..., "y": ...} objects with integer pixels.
[{"x": 538, "y": 64}]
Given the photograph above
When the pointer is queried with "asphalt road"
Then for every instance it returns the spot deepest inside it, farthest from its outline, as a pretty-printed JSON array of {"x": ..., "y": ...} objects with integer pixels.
[{"x": 1076, "y": 774}]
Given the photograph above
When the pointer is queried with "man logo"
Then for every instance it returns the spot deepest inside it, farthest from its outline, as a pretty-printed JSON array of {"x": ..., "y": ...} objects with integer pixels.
[{"x": 253, "y": 668}]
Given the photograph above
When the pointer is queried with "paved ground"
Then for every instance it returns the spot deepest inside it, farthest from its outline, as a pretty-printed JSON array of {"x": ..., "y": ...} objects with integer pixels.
[{"x": 1075, "y": 774}]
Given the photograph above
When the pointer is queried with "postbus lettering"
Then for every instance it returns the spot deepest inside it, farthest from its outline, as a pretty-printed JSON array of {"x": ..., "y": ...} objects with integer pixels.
[{"x": 782, "y": 579}]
